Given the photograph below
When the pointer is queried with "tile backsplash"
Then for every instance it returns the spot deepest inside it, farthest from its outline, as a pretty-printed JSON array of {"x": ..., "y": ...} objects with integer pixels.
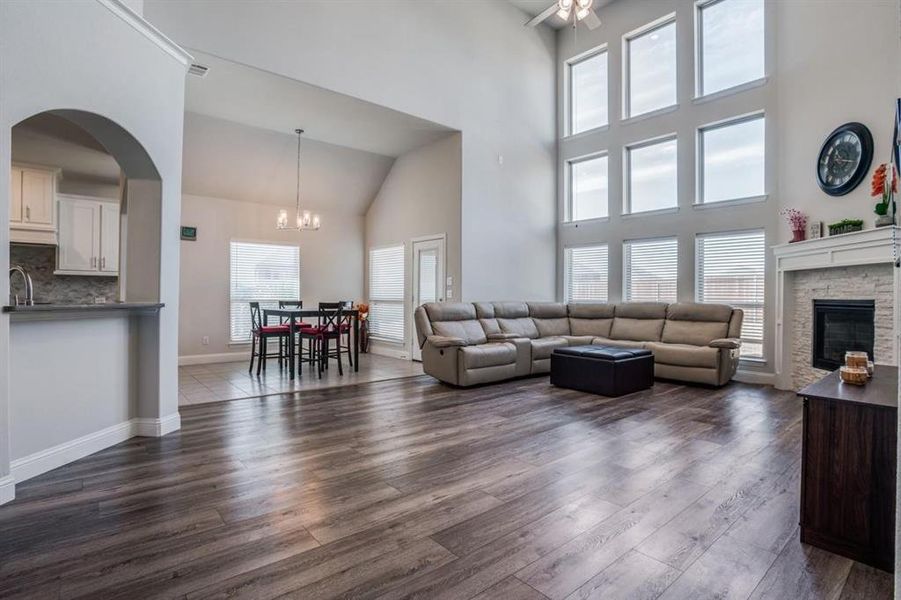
[{"x": 40, "y": 261}]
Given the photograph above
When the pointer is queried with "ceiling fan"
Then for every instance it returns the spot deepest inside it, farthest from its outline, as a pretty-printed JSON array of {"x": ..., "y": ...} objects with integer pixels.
[{"x": 569, "y": 10}]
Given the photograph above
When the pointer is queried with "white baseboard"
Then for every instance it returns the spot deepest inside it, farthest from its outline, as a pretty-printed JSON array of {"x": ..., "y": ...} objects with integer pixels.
[
  {"x": 7, "y": 489},
  {"x": 157, "y": 427},
  {"x": 758, "y": 377},
  {"x": 207, "y": 359},
  {"x": 67, "y": 452},
  {"x": 389, "y": 351}
]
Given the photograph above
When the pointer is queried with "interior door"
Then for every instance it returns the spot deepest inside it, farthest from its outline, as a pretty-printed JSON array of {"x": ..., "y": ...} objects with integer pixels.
[
  {"x": 109, "y": 238},
  {"x": 428, "y": 279},
  {"x": 79, "y": 235}
]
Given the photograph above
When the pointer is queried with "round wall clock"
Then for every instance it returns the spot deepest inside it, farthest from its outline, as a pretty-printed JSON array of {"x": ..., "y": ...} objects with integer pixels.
[{"x": 845, "y": 159}]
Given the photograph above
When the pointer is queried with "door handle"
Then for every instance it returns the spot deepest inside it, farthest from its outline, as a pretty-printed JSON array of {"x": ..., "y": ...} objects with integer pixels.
[
  {"x": 93, "y": 262},
  {"x": 103, "y": 262},
  {"x": 27, "y": 213}
]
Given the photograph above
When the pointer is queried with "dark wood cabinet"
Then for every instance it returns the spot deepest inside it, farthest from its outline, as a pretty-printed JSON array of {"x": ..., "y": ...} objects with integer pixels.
[{"x": 848, "y": 467}]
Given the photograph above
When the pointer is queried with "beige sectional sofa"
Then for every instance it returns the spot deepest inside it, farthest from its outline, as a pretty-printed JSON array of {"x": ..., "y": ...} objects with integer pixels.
[{"x": 471, "y": 343}]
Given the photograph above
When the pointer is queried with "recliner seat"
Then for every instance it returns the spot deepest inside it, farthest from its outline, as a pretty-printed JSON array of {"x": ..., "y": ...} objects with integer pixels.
[{"x": 472, "y": 343}]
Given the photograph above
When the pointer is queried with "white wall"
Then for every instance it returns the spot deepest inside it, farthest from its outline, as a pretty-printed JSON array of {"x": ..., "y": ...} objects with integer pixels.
[
  {"x": 471, "y": 66},
  {"x": 56, "y": 55},
  {"x": 420, "y": 197},
  {"x": 331, "y": 264}
]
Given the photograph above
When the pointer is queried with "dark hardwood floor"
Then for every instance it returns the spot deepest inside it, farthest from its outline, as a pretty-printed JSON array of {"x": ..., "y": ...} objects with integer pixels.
[{"x": 410, "y": 489}]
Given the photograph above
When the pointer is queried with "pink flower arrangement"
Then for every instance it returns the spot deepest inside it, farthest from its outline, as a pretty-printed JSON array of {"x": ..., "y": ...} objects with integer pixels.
[{"x": 795, "y": 218}]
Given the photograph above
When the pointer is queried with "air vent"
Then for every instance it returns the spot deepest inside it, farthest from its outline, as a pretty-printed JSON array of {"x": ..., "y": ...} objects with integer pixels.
[{"x": 198, "y": 70}]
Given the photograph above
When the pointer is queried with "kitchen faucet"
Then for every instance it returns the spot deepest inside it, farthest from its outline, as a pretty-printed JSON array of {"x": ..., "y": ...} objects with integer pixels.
[{"x": 29, "y": 287}]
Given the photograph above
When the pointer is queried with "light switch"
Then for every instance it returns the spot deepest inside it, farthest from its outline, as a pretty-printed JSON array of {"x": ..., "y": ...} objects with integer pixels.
[
  {"x": 450, "y": 282},
  {"x": 449, "y": 293}
]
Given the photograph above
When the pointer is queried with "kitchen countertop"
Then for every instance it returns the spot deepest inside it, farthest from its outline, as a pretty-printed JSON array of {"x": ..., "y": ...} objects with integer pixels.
[{"x": 50, "y": 310}]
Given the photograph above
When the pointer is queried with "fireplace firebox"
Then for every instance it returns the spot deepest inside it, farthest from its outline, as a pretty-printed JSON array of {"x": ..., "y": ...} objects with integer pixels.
[{"x": 840, "y": 326}]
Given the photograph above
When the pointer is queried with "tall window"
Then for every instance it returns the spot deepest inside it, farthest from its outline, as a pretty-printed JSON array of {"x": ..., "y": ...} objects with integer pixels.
[
  {"x": 730, "y": 44},
  {"x": 651, "y": 176},
  {"x": 585, "y": 275},
  {"x": 588, "y": 93},
  {"x": 588, "y": 188},
  {"x": 730, "y": 270},
  {"x": 259, "y": 272},
  {"x": 650, "y": 69},
  {"x": 386, "y": 293},
  {"x": 732, "y": 160},
  {"x": 650, "y": 270}
]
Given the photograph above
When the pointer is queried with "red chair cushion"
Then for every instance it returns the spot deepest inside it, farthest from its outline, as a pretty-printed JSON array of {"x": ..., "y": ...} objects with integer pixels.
[
  {"x": 273, "y": 329},
  {"x": 345, "y": 327}
]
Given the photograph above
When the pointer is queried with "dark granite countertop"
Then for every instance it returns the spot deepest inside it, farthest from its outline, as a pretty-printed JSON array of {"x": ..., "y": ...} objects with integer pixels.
[{"x": 51, "y": 308}]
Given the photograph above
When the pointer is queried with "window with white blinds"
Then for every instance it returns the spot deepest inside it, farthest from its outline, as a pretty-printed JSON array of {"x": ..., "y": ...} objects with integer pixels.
[
  {"x": 650, "y": 270},
  {"x": 730, "y": 270},
  {"x": 386, "y": 293},
  {"x": 259, "y": 272},
  {"x": 585, "y": 277}
]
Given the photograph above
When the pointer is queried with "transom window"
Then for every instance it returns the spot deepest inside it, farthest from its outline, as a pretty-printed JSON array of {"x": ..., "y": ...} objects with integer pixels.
[
  {"x": 730, "y": 44},
  {"x": 585, "y": 274},
  {"x": 588, "y": 188},
  {"x": 259, "y": 272},
  {"x": 650, "y": 270},
  {"x": 386, "y": 293},
  {"x": 730, "y": 269},
  {"x": 651, "y": 178},
  {"x": 588, "y": 92},
  {"x": 731, "y": 159},
  {"x": 650, "y": 69}
]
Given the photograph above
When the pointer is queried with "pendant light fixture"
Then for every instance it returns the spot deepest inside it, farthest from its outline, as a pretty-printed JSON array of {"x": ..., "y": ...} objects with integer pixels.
[{"x": 305, "y": 220}]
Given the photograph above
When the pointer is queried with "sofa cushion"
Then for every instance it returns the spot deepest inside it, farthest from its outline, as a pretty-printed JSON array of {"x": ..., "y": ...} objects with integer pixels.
[
  {"x": 641, "y": 310},
  {"x": 593, "y": 327},
  {"x": 469, "y": 331},
  {"x": 591, "y": 311},
  {"x": 637, "y": 329},
  {"x": 488, "y": 355},
  {"x": 552, "y": 327},
  {"x": 602, "y": 341},
  {"x": 547, "y": 310},
  {"x": 543, "y": 347},
  {"x": 484, "y": 310},
  {"x": 578, "y": 340},
  {"x": 697, "y": 333},
  {"x": 695, "y": 311},
  {"x": 511, "y": 310},
  {"x": 450, "y": 311},
  {"x": 684, "y": 355}
]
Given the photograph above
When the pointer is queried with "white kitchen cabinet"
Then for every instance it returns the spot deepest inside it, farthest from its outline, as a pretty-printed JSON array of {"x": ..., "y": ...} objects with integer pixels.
[
  {"x": 32, "y": 208},
  {"x": 88, "y": 236}
]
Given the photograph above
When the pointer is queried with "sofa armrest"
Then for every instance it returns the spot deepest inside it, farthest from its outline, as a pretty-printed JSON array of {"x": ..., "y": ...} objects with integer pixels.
[
  {"x": 503, "y": 337},
  {"x": 727, "y": 343},
  {"x": 441, "y": 341}
]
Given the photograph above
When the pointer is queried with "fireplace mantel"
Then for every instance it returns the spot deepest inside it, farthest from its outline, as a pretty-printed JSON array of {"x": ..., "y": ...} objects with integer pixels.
[{"x": 867, "y": 247}]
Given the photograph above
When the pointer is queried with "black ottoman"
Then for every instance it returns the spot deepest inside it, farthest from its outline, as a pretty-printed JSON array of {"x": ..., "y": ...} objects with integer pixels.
[{"x": 604, "y": 370}]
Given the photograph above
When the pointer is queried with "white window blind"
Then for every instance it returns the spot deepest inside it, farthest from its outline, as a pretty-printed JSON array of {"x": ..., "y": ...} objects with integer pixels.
[
  {"x": 386, "y": 293},
  {"x": 588, "y": 93},
  {"x": 650, "y": 270},
  {"x": 586, "y": 274},
  {"x": 259, "y": 272},
  {"x": 730, "y": 270}
]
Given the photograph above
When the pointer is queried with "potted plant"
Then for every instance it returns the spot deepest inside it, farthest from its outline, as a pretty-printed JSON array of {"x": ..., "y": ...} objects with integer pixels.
[
  {"x": 884, "y": 187},
  {"x": 845, "y": 226},
  {"x": 797, "y": 221}
]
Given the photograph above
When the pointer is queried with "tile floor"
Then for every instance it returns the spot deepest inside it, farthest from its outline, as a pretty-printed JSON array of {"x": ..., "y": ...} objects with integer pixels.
[{"x": 199, "y": 384}]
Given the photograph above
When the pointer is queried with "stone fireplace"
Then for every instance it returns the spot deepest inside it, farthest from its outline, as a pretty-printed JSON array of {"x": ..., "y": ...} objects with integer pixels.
[{"x": 834, "y": 294}]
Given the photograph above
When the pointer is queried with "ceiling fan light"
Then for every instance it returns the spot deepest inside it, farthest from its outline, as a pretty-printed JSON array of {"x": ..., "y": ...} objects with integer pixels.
[
  {"x": 583, "y": 12},
  {"x": 565, "y": 4},
  {"x": 563, "y": 13},
  {"x": 584, "y": 4}
]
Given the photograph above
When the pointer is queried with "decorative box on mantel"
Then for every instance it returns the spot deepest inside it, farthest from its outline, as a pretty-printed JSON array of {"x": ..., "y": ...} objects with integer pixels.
[{"x": 863, "y": 265}]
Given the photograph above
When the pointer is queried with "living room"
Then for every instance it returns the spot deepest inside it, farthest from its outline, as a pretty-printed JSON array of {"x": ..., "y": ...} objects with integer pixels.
[{"x": 589, "y": 276}]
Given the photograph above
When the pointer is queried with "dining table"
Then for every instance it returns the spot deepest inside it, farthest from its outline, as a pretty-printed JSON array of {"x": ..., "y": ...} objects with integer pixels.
[{"x": 293, "y": 315}]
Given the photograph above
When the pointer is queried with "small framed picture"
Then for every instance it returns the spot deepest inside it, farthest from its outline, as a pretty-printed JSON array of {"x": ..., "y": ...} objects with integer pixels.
[{"x": 814, "y": 230}]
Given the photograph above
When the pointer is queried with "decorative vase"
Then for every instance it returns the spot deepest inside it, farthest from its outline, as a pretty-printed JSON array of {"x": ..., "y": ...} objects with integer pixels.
[
  {"x": 883, "y": 220},
  {"x": 798, "y": 235}
]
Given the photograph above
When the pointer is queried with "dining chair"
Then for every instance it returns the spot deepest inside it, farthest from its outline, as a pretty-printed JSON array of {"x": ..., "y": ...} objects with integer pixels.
[
  {"x": 331, "y": 315},
  {"x": 298, "y": 304},
  {"x": 261, "y": 335},
  {"x": 345, "y": 328}
]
